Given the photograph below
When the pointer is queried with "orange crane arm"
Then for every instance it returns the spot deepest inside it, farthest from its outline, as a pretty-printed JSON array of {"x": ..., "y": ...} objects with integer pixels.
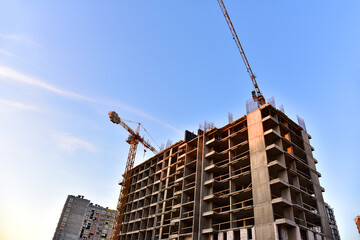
[
  {"x": 114, "y": 117},
  {"x": 257, "y": 93}
]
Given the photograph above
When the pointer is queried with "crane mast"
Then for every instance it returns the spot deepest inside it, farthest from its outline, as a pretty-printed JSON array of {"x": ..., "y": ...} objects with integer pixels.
[
  {"x": 133, "y": 139},
  {"x": 257, "y": 96}
]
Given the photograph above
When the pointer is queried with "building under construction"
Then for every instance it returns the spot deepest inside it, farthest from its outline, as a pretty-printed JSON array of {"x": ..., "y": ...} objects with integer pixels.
[{"x": 254, "y": 178}]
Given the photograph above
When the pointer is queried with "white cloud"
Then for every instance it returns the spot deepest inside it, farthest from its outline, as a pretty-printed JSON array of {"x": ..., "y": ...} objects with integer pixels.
[
  {"x": 70, "y": 143},
  {"x": 9, "y": 54},
  {"x": 69, "y": 174},
  {"x": 12, "y": 36},
  {"x": 20, "y": 38},
  {"x": 7, "y": 73},
  {"x": 6, "y": 104},
  {"x": 3, "y": 51},
  {"x": 144, "y": 115},
  {"x": 13, "y": 75}
]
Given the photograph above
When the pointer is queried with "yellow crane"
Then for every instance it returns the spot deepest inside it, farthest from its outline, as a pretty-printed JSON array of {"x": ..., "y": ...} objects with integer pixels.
[
  {"x": 257, "y": 96},
  {"x": 134, "y": 139}
]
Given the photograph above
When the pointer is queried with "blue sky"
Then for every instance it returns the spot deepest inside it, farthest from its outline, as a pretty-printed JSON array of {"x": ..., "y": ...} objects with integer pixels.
[{"x": 169, "y": 65}]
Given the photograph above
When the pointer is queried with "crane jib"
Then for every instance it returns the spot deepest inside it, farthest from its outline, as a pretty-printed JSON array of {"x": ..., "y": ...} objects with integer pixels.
[{"x": 258, "y": 97}]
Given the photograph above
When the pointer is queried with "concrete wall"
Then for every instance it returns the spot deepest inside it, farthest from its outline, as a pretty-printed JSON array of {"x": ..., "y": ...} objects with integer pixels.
[
  {"x": 214, "y": 162},
  {"x": 264, "y": 220},
  {"x": 71, "y": 218},
  {"x": 76, "y": 210},
  {"x": 317, "y": 188}
]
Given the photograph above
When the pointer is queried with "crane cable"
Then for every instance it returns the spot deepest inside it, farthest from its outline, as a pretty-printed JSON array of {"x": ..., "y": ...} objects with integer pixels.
[
  {"x": 144, "y": 129},
  {"x": 150, "y": 136}
]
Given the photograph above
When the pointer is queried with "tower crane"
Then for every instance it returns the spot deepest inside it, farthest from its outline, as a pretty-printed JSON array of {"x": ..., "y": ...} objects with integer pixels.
[
  {"x": 257, "y": 96},
  {"x": 133, "y": 139}
]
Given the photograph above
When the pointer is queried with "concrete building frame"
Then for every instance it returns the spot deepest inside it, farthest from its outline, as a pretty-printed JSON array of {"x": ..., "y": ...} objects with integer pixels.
[{"x": 254, "y": 178}]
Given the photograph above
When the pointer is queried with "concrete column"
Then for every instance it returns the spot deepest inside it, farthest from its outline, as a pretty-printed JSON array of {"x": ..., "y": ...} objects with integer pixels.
[
  {"x": 220, "y": 236},
  {"x": 165, "y": 194},
  {"x": 253, "y": 233},
  {"x": 297, "y": 232},
  {"x": 317, "y": 189},
  {"x": 283, "y": 233},
  {"x": 198, "y": 187},
  {"x": 153, "y": 233},
  {"x": 263, "y": 213},
  {"x": 204, "y": 205},
  {"x": 244, "y": 234},
  {"x": 318, "y": 237},
  {"x": 230, "y": 235},
  {"x": 310, "y": 235}
]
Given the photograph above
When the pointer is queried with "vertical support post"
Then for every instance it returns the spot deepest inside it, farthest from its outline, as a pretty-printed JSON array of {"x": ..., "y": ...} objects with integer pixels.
[
  {"x": 263, "y": 213},
  {"x": 198, "y": 188},
  {"x": 317, "y": 188}
]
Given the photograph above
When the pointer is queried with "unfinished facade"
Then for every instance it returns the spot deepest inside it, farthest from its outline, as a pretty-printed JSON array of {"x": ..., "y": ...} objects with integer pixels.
[
  {"x": 254, "y": 178},
  {"x": 81, "y": 219}
]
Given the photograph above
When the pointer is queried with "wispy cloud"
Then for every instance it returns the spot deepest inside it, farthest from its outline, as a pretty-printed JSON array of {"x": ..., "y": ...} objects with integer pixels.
[
  {"x": 7, "y": 73},
  {"x": 12, "y": 36},
  {"x": 9, "y": 54},
  {"x": 3, "y": 51},
  {"x": 144, "y": 115},
  {"x": 70, "y": 143},
  {"x": 19, "y": 38},
  {"x": 6, "y": 103},
  {"x": 68, "y": 174}
]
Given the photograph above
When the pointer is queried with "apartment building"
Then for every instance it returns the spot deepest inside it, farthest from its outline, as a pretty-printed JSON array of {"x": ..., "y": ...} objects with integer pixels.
[{"x": 81, "y": 219}]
